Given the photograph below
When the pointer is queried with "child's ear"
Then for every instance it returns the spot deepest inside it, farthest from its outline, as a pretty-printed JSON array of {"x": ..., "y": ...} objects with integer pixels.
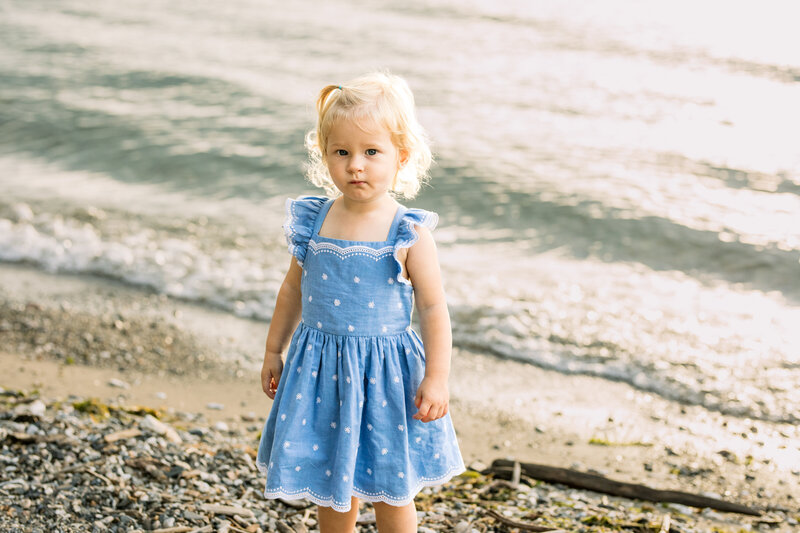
[{"x": 403, "y": 158}]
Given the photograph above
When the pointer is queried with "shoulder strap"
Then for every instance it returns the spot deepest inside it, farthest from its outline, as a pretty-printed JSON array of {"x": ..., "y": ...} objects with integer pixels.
[
  {"x": 398, "y": 216},
  {"x": 321, "y": 216}
]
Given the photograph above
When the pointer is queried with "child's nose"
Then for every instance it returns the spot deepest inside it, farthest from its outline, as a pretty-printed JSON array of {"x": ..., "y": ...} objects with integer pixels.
[{"x": 356, "y": 164}]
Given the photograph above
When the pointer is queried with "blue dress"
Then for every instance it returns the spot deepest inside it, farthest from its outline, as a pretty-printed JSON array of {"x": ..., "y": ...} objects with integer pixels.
[{"x": 341, "y": 423}]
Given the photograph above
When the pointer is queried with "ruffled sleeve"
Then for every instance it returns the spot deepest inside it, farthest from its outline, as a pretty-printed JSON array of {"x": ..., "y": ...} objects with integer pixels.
[
  {"x": 407, "y": 233},
  {"x": 301, "y": 215}
]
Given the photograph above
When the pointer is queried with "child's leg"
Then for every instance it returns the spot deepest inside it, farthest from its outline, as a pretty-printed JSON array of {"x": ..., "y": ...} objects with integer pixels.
[
  {"x": 331, "y": 521},
  {"x": 393, "y": 519}
]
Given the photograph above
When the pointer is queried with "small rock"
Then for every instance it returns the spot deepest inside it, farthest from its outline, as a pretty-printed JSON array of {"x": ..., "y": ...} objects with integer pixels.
[
  {"x": 215, "y": 406},
  {"x": 114, "y": 382},
  {"x": 462, "y": 527},
  {"x": 221, "y": 426},
  {"x": 35, "y": 408},
  {"x": 151, "y": 423},
  {"x": 477, "y": 466}
]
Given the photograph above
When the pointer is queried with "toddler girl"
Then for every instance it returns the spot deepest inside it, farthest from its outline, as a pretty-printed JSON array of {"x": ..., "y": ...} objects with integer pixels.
[{"x": 361, "y": 406}]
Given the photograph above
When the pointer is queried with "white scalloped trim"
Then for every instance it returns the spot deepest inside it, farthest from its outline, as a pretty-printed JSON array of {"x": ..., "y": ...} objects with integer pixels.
[
  {"x": 346, "y": 251},
  {"x": 429, "y": 221},
  {"x": 371, "y": 497}
]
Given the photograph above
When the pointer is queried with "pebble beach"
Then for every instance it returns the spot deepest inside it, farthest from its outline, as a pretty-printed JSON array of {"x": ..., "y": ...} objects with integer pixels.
[{"x": 119, "y": 413}]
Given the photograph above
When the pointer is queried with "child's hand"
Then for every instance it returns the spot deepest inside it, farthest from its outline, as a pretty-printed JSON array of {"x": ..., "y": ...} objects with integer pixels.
[
  {"x": 432, "y": 399},
  {"x": 271, "y": 373}
]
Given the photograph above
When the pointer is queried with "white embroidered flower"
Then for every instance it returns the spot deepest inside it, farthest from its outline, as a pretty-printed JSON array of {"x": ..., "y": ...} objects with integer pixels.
[
  {"x": 297, "y": 469},
  {"x": 309, "y": 298},
  {"x": 400, "y": 427},
  {"x": 369, "y": 471},
  {"x": 304, "y": 421},
  {"x": 308, "y": 347},
  {"x": 384, "y": 451},
  {"x": 350, "y": 328},
  {"x": 286, "y": 444},
  {"x": 338, "y": 354},
  {"x": 328, "y": 473},
  {"x": 371, "y": 305},
  {"x": 299, "y": 368},
  {"x": 356, "y": 279},
  {"x": 347, "y": 429},
  {"x": 436, "y": 456},
  {"x": 418, "y": 439},
  {"x": 373, "y": 380},
  {"x": 401, "y": 475},
  {"x": 299, "y": 396},
  {"x": 383, "y": 404},
  {"x": 333, "y": 425},
  {"x": 319, "y": 324},
  {"x": 319, "y": 400},
  {"x": 324, "y": 275},
  {"x": 399, "y": 305},
  {"x": 345, "y": 477},
  {"x": 391, "y": 280},
  {"x": 396, "y": 379},
  {"x": 315, "y": 447},
  {"x": 369, "y": 427},
  {"x": 384, "y": 329},
  {"x": 283, "y": 417},
  {"x": 347, "y": 379},
  {"x": 314, "y": 374},
  {"x": 270, "y": 464},
  {"x": 336, "y": 302},
  {"x": 305, "y": 272},
  {"x": 335, "y": 377}
]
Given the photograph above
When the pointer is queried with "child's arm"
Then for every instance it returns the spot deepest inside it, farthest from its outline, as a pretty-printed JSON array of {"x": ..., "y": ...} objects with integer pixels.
[
  {"x": 433, "y": 396},
  {"x": 285, "y": 317}
]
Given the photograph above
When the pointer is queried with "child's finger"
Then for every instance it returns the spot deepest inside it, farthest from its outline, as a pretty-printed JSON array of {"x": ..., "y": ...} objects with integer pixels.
[
  {"x": 418, "y": 399},
  {"x": 424, "y": 409}
]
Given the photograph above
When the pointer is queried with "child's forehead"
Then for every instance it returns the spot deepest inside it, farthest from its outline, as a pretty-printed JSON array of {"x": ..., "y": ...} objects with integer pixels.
[{"x": 362, "y": 127}]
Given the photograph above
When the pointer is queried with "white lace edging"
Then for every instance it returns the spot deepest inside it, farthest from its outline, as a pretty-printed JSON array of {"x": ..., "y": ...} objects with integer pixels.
[
  {"x": 429, "y": 220},
  {"x": 371, "y": 497},
  {"x": 343, "y": 252}
]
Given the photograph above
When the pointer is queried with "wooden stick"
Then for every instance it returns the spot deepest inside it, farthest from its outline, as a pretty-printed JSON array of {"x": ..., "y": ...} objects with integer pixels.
[
  {"x": 665, "y": 524},
  {"x": 521, "y": 525},
  {"x": 597, "y": 483}
]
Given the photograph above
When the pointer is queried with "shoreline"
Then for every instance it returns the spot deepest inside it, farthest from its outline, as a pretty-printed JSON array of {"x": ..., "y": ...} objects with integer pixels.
[{"x": 73, "y": 334}]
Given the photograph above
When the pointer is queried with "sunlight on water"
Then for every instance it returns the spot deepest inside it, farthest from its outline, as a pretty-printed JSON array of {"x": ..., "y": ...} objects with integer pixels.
[{"x": 618, "y": 183}]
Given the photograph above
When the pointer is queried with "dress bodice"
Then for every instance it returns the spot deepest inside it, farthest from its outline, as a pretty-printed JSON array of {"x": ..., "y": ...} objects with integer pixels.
[{"x": 348, "y": 287}]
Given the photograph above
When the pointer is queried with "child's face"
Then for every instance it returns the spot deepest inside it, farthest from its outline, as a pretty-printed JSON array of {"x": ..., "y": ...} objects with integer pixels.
[{"x": 362, "y": 159}]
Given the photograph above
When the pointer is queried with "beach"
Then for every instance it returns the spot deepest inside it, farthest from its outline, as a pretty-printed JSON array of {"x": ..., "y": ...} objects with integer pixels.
[
  {"x": 92, "y": 337},
  {"x": 618, "y": 201}
]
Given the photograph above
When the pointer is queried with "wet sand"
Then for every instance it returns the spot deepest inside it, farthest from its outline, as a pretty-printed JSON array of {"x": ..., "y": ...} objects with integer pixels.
[{"x": 70, "y": 334}]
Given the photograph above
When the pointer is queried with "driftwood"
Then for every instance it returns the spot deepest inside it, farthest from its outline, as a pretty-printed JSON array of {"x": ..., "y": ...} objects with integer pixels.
[{"x": 581, "y": 480}]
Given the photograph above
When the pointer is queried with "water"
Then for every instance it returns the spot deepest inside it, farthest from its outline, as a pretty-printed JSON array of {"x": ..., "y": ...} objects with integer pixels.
[{"x": 618, "y": 184}]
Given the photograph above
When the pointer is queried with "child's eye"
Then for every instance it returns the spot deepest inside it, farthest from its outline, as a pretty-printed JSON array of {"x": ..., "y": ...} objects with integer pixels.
[
  {"x": 372, "y": 151},
  {"x": 341, "y": 152}
]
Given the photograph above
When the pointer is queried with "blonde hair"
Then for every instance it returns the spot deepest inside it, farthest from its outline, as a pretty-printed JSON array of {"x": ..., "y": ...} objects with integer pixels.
[{"x": 385, "y": 99}]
